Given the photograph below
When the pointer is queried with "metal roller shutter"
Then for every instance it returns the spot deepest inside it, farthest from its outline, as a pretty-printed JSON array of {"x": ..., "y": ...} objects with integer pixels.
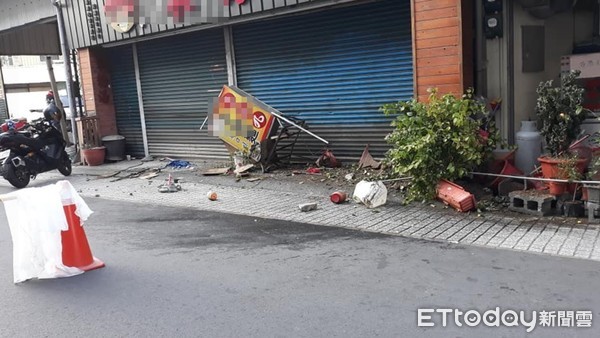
[
  {"x": 333, "y": 69},
  {"x": 179, "y": 77},
  {"x": 126, "y": 99}
]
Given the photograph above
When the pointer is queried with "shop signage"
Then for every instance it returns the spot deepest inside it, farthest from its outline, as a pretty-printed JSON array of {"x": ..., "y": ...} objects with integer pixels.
[
  {"x": 241, "y": 121},
  {"x": 123, "y": 14}
]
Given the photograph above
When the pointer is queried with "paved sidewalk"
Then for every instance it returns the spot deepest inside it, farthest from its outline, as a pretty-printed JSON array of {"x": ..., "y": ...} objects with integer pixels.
[{"x": 277, "y": 199}]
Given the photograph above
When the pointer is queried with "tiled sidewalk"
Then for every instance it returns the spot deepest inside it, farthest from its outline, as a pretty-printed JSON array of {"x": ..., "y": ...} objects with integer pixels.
[{"x": 556, "y": 236}]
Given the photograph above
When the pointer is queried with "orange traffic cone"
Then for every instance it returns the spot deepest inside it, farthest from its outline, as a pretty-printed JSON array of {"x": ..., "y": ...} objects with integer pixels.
[{"x": 76, "y": 251}]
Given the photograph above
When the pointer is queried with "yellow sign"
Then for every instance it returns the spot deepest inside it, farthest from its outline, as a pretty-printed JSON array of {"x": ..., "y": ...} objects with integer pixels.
[{"x": 241, "y": 121}]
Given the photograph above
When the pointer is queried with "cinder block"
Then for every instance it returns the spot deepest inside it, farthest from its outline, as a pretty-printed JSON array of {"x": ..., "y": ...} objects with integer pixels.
[
  {"x": 592, "y": 210},
  {"x": 532, "y": 202},
  {"x": 308, "y": 207}
]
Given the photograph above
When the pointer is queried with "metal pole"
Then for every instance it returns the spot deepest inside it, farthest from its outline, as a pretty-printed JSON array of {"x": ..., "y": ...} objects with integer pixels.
[
  {"x": 58, "y": 102},
  {"x": 300, "y": 127},
  {"x": 138, "y": 84},
  {"x": 3, "y": 93},
  {"x": 64, "y": 45}
]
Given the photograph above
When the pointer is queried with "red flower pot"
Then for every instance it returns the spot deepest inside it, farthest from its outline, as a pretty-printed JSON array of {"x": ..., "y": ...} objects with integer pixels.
[
  {"x": 550, "y": 165},
  {"x": 557, "y": 188},
  {"x": 93, "y": 156}
]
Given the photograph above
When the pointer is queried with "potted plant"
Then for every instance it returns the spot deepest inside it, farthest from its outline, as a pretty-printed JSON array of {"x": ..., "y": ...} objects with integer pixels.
[
  {"x": 438, "y": 139},
  {"x": 591, "y": 192},
  {"x": 561, "y": 114},
  {"x": 92, "y": 155}
]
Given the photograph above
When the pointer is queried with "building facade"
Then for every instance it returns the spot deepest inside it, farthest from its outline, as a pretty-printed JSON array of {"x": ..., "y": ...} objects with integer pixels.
[{"x": 329, "y": 63}]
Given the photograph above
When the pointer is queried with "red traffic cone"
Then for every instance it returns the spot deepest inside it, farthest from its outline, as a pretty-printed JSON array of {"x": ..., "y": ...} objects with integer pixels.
[{"x": 76, "y": 250}]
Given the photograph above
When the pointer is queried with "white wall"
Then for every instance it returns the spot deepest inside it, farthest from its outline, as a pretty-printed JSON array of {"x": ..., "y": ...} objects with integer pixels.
[{"x": 562, "y": 32}]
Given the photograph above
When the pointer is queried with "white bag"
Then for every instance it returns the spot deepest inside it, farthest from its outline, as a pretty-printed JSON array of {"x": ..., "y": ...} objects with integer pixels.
[
  {"x": 371, "y": 194},
  {"x": 36, "y": 219}
]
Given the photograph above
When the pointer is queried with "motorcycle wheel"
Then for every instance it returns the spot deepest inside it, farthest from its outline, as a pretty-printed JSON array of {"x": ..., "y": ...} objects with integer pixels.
[
  {"x": 18, "y": 177},
  {"x": 65, "y": 165}
]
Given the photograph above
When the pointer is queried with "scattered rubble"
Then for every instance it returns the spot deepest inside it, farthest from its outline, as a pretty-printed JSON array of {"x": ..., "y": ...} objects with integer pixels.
[
  {"x": 338, "y": 197},
  {"x": 367, "y": 161},
  {"x": 308, "y": 207},
  {"x": 212, "y": 195},
  {"x": 456, "y": 196},
  {"x": 371, "y": 194},
  {"x": 169, "y": 186},
  {"x": 243, "y": 169},
  {"x": 216, "y": 171},
  {"x": 327, "y": 159}
]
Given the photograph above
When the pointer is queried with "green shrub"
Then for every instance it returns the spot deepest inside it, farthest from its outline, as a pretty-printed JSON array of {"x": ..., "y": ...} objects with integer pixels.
[
  {"x": 560, "y": 112},
  {"x": 440, "y": 139}
]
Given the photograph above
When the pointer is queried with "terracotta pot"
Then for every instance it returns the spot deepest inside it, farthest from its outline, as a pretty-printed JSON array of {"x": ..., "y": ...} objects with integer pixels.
[
  {"x": 93, "y": 156},
  {"x": 550, "y": 166},
  {"x": 557, "y": 188}
]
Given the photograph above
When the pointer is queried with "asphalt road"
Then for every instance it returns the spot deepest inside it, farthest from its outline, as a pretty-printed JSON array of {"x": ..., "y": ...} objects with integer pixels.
[{"x": 180, "y": 272}]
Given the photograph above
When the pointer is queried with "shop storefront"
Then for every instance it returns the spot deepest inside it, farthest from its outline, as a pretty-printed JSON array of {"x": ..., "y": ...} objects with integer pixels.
[{"x": 331, "y": 65}]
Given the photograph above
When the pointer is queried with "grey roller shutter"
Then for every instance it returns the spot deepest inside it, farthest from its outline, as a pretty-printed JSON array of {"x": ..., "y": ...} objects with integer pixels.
[
  {"x": 179, "y": 77},
  {"x": 126, "y": 99}
]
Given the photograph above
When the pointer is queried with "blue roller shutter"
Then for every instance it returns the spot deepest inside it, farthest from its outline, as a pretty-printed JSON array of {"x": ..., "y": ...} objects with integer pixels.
[
  {"x": 334, "y": 69},
  {"x": 126, "y": 99},
  {"x": 179, "y": 76}
]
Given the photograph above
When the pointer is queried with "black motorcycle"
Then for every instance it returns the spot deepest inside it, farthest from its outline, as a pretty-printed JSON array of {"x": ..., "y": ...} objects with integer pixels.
[{"x": 37, "y": 148}]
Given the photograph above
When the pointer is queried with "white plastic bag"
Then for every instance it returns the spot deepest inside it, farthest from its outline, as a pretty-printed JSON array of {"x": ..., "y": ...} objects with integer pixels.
[
  {"x": 36, "y": 219},
  {"x": 371, "y": 194}
]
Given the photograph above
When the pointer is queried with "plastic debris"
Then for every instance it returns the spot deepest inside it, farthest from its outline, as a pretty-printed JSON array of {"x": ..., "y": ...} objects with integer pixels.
[
  {"x": 366, "y": 160},
  {"x": 455, "y": 196},
  {"x": 212, "y": 195},
  {"x": 169, "y": 186},
  {"x": 371, "y": 194},
  {"x": 349, "y": 177},
  {"x": 179, "y": 164},
  {"x": 338, "y": 197},
  {"x": 328, "y": 160},
  {"x": 313, "y": 171}
]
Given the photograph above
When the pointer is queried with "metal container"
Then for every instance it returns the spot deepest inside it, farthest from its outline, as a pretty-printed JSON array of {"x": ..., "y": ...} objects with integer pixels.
[
  {"x": 529, "y": 143},
  {"x": 115, "y": 147}
]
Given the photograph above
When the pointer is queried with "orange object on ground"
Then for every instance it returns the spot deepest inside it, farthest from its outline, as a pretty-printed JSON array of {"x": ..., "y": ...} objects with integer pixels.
[
  {"x": 338, "y": 197},
  {"x": 212, "y": 195},
  {"x": 507, "y": 169},
  {"x": 455, "y": 196},
  {"x": 76, "y": 250}
]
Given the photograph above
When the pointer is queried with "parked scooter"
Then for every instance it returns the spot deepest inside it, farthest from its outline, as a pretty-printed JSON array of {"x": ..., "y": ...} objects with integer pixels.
[{"x": 37, "y": 148}]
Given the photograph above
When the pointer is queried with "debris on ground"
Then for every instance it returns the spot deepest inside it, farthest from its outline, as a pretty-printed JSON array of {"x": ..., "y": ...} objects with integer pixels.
[
  {"x": 254, "y": 179},
  {"x": 179, "y": 164},
  {"x": 371, "y": 194},
  {"x": 212, "y": 195},
  {"x": 367, "y": 161},
  {"x": 349, "y": 177},
  {"x": 243, "y": 169},
  {"x": 338, "y": 197},
  {"x": 149, "y": 175},
  {"x": 313, "y": 171},
  {"x": 308, "y": 207},
  {"x": 169, "y": 185},
  {"x": 216, "y": 171},
  {"x": 327, "y": 159},
  {"x": 456, "y": 196}
]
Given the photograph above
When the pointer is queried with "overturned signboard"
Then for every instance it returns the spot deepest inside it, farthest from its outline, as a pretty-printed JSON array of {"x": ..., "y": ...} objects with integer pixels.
[{"x": 243, "y": 122}]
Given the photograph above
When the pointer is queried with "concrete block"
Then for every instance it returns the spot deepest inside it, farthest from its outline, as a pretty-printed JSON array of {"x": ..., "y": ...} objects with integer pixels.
[
  {"x": 532, "y": 202},
  {"x": 592, "y": 210},
  {"x": 308, "y": 207}
]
